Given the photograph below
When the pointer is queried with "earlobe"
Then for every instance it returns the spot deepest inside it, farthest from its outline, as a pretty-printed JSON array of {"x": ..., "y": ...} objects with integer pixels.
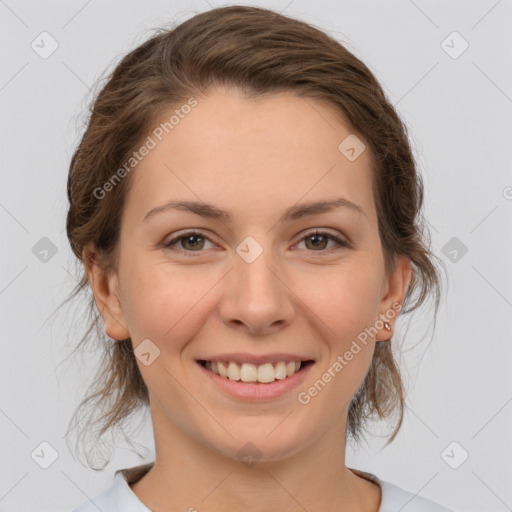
[
  {"x": 391, "y": 304},
  {"x": 105, "y": 286}
]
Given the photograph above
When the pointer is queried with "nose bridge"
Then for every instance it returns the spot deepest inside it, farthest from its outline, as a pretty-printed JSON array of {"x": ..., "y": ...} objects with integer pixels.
[
  {"x": 256, "y": 266},
  {"x": 256, "y": 295}
]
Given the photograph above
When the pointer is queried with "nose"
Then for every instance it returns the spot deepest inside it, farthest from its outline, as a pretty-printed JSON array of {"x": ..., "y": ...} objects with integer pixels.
[{"x": 256, "y": 298}]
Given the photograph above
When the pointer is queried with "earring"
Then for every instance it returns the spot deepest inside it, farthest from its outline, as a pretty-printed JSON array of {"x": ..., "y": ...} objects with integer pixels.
[{"x": 387, "y": 326}]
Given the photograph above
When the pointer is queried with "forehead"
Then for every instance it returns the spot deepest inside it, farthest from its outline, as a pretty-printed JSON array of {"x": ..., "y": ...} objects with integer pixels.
[{"x": 242, "y": 152}]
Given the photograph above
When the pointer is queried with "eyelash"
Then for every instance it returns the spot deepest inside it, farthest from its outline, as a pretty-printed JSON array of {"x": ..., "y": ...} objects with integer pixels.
[{"x": 341, "y": 243}]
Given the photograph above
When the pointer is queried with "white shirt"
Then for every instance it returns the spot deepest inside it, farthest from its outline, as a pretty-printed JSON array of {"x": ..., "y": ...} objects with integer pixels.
[{"x": 120, "y": 497}]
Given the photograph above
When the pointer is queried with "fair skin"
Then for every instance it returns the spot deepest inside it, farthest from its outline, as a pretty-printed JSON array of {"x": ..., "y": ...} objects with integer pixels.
[{"x": 253, "y": 158}]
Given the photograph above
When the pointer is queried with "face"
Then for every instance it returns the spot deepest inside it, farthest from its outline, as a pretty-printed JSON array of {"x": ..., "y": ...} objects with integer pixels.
[{"x": 253, "y": 286}]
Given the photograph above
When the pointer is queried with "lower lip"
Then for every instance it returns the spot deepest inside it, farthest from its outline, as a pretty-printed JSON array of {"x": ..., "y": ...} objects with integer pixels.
[{"x": 255, "y": 391}]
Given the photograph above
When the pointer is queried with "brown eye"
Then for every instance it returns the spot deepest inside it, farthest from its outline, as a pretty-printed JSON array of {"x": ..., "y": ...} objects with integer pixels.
[
  {"x": 318, "y": 241},
  {"x": 192, "y": 242}
]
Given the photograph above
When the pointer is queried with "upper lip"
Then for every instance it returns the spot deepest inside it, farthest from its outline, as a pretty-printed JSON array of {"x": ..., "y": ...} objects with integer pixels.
[{"x": 256, "y": 359}]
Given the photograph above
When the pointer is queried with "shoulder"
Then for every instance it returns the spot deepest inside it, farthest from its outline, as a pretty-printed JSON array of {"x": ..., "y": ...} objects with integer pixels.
[
  {"x": 105, "y": 502},
  {"x": 395, "y": 498},
  {"x": 118, "y": 497}
]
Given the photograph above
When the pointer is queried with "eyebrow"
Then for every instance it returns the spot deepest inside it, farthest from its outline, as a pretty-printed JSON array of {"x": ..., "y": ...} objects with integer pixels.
[{"x": 291, "y": 213}]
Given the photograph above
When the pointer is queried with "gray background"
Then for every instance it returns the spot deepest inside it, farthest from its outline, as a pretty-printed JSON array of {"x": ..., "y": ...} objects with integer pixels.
[{"x": 459, "y": 113}]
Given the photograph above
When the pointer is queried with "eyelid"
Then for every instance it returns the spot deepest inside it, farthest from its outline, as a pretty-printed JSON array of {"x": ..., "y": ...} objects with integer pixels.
[
  {"x": 340, "y": 240},
  {"x": 176, "y": 237},
  {"x": 325, "y": 231}
]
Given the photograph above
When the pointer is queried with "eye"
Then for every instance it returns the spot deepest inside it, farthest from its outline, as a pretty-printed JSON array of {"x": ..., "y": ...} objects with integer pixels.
[
  {"x": 319, "y": 238},
  {"x": 194, "y": 241}
]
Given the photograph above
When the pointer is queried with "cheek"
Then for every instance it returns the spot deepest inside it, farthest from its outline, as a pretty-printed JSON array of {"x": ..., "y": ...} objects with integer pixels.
[
  {"x": 160, "y": 301},
  {"x": 347, "y": 308},
  {"x": 165, "y": 302},
  {"x": 345, "y": 301}
]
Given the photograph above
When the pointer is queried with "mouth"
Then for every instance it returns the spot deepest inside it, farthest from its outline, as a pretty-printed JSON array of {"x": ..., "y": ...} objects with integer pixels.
[
  {"x": 256, "y": 374},
  {"x": 264, "y": 380}
]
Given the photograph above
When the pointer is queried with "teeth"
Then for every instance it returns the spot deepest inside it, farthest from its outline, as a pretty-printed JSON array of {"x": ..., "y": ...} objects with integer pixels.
[
  {"x": 266, "y": 373},
  {"x": 233, "y": 371},
  {"x": 281, "y": 370},
  {"x": 248, "y": 372},
  {"x": 222, "y": 369}
]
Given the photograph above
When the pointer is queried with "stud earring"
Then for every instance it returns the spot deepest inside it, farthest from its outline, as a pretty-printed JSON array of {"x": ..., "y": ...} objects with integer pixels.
[{"x": 387, "y": 326}]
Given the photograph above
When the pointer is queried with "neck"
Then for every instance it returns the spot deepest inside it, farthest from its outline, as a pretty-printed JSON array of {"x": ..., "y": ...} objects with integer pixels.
[{"x": 187, "y": 475}]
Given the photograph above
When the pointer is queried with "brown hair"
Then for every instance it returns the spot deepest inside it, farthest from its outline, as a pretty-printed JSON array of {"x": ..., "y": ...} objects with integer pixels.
[{"x": 259, "y": 52}]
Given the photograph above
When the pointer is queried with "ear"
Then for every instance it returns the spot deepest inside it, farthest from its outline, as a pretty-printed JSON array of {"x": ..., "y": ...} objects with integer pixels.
[
  {"x": 394, "y": 289},
  {"x": 105, "y": 286}
]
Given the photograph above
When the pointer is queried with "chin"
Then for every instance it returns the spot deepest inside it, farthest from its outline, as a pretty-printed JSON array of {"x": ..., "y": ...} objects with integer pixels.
[{"x": 259, "y": 443}]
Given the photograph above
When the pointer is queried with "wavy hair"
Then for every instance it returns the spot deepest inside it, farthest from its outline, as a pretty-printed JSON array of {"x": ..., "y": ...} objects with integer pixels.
[{"x": 259, "y": 52}]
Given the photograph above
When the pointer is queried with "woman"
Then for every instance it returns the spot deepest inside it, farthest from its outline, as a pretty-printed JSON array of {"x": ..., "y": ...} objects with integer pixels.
[{"x": 247, "y": 210}]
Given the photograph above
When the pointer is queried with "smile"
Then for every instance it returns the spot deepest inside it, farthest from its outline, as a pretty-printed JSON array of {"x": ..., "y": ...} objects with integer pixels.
[
  {"x": 254, "y": 382},
  {"x": 248, "y": 372}
]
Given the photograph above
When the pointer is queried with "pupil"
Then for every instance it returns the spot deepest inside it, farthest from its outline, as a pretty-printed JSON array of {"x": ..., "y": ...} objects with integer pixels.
[
  {"x": 194, "y": 239},
  {"x": 316, "y": 238}
]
